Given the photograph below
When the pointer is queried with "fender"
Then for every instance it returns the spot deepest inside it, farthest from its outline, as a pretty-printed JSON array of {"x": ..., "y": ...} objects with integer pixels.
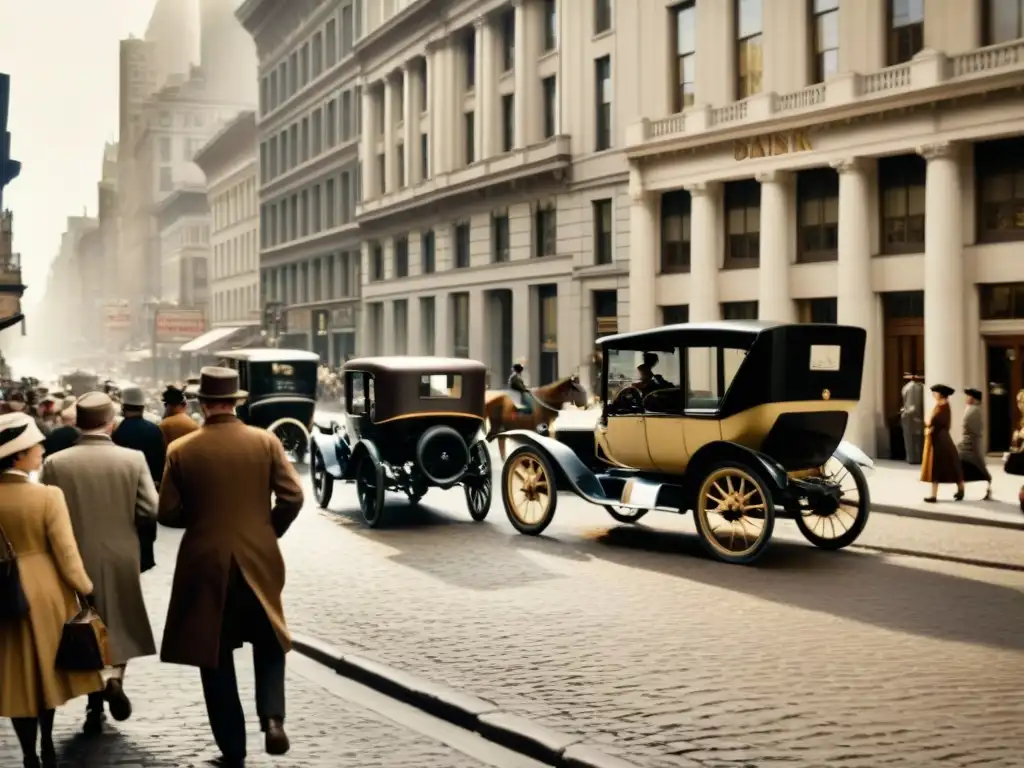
[
  {"x": 327, "y": 446},
  {"x": 723, "y": 450},
  {"x": 847, "y": 450},
  {"x": 573, "y": 473},
  {"x": 363, "y": 447}
]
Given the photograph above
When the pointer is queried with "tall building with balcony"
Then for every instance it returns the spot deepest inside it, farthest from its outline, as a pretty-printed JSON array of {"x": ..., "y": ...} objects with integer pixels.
[
  {"x": 308, "y": 133},
  {"x": 494, "y": 204},
  {"x": 859, "y": 162},
  {"x": 11, "y": 287}
]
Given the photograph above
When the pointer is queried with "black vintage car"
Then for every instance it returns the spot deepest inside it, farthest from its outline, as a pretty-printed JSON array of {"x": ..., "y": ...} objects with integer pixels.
[
  {"x": 411, "y": 423},
  {"x": 282, "y": 392},
  {"x": 80, "y": 382},
  {"x": 736, "y": 421}
]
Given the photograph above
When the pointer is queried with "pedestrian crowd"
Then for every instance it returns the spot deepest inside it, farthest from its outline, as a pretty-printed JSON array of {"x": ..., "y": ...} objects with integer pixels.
[{"x": 81, "y": 492}]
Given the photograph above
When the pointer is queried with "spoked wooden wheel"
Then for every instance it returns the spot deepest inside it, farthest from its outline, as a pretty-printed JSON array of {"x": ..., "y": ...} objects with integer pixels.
[
  {"x": 294, "y": 439},
  {"x": 734, "y": 514},
  {"x": 834, "y": 525},
  {"x": 625, "y": 514},
  {"x": 477, "y": 482},
  {"x": 529, "y": 490},
  {"x": 370, "y": 490},
  {"x": 323, "y": 483}
]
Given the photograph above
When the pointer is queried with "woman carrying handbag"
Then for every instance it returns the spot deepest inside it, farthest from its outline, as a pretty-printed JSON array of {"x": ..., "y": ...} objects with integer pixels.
[{"x": 37, "y": 595}]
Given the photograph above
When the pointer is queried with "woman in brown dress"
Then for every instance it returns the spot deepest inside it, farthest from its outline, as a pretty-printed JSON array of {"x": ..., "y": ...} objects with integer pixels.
[{"x": 941, "y": 461}]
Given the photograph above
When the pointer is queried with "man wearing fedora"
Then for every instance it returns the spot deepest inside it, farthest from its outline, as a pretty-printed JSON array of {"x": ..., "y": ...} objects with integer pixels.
[
  {"x": 912, "y": 417},
  {"x": 233, "y": 490},
  {"x": 140, "y": 434},
  {"x": 109, "y": 490},
  {"x": 176, "y": 422}
]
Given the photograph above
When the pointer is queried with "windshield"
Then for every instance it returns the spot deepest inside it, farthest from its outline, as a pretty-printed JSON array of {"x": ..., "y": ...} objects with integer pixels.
[
  {"x": 628, "y": 367},
  {"x": 284, "y": 378}
]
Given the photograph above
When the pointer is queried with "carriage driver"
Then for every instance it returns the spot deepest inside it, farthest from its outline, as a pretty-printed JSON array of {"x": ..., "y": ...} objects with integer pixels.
[{"x": 516, "y": 384}]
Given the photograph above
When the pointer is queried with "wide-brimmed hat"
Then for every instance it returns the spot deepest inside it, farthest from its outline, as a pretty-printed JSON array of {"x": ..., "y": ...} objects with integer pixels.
[
  {"x": 173, "y": 396},
  {"x": 133, "y": 397},
  {"x": 907, "y": 376},
  {"x": 971, "y": 392},
  {"x": 943, "y": 390},
  {"x": 18, "y": 432},
  {"x": 216, "y": 383},
  {"x": 95, "y": 410}
]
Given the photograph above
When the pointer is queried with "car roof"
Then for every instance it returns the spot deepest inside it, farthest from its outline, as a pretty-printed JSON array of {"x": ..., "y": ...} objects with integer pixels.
[
  {"x": 752, "y": 327},
  {"x": 415, "y": 364},
  {"x": 269, "y": 355}
]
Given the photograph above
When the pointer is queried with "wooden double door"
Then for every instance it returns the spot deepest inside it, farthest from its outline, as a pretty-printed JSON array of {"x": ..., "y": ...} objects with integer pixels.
[
  {"x": 1004, "y": 378},
  {"x": 904, "y": 353}
]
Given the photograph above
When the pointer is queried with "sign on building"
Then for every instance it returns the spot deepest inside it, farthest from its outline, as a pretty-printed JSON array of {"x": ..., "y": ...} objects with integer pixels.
[
  {"x": 179, "y": 325},
  {"x": 117, "y": 316}
]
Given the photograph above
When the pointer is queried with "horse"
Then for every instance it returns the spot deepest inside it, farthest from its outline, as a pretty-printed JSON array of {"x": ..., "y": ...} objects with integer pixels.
[{"x": 502, "y": 414}]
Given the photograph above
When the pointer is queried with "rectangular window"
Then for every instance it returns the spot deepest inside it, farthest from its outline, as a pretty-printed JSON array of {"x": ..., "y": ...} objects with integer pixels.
[
  {"x": 901, "y": 185},
  {"x": 602, "y": 210},
  {"x": 332, "y": 123},
  {"x": 346, "y": 115},
  {"x": 602, "y": 16},
  {"x": 739, "y": 310},
  {"x": 469, "y": 59},
  {"x": 382, "y": 173},
  {"x": 749, "y": 48},
  {"x": 305, "y": 212},
  {"x": 317, "y": 129},
  {"x": 317, "y": 210},
  {"x": 1000, "y": 184},
  {"x": 508, "y": 122},
  {"x": 550, "y": 25},
  {"x": 441, "y": 385},
  {"x": 293, "y": 75},
  {"x": 603, "y": 102},
  {"x": 549, "y": 87},
  {"x": 424, "y": 156},
  {"x": 318, "y": 55},
  {"x": 427, "y": 325},
  {"x": 675, "y": 314},
  {"x": 402, "y": 256},
  {"x": 329, "y": 193},
  {"x": 469, "y": 131},
  {"x": 508, "y": 41},
  {"x": 304, "y": 63},
  {"x": 818, "y": 311},
  {"x": 499, "y": 237},
  {"x": 825, "y": 29},
  {"x": 427, "y": 252},
  {"x": 460, "y": 324},
  {"x": 546, "y": 226},
  {"x": 376, "y": 262},
  {"x": 906, "y": 30},
  {"x": 742, "y": 224},
  {"x": 675, "y": 232},
  {"x": 686, "y": 53},
  {"x": 461, "y": 246},
  {"x": 1003, "y": 21},
  {"x": 347, "y": 31},
  {"x": 817, "y": 193},
  {"x": 400, "y": 165}
]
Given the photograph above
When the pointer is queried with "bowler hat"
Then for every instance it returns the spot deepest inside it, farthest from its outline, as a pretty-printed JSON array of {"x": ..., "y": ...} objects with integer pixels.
[
  {"x": 173, "y": 396},
  {"x": 216, "y": 383},
  {"x": 971, "y": 392},
  {"x": 133, "y": 397},
  {"x": 18, "y": 432},
  {"x": 95, "y": 410},
  {"x": 943, "y": 390}
]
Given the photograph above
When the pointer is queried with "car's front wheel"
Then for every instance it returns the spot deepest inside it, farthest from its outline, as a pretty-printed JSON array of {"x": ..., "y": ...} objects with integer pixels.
[
  {"x": 323, "y": 483},
  {"x": 477, "y": 482},
  {"x": 734, "y": 513}
]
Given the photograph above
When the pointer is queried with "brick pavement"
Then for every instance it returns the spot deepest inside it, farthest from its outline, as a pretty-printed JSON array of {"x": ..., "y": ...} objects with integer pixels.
[
  {"x": 630, "y": 637},
  {"x": 169, "y": 728}
]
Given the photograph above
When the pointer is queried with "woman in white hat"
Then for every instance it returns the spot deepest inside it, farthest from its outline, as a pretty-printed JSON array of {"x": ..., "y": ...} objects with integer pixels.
[{"x": 34, "y": 519}]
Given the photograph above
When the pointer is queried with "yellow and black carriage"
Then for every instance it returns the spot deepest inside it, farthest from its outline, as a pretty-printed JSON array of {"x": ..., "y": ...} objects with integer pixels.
[
  {"x": 411, "y": 424},
  {"x": 736, "y": 421}
]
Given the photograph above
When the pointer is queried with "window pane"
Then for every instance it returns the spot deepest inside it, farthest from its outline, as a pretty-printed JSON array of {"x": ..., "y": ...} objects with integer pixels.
[
  {"x": 906, "y": 12},
  {"x": 831, "y": 210},
  {"x": 997, "y": 189},
  {"x": 895, "y": 203},
  {"x": 749, "y": 18},
  {"x": 810, "y": 211},
  {"x": 737, "y": 217},
  {"x": 686, "y": 228},
  {"x": 828, "y": 31},
  {"x": 829, "y": 63},
  {"x": 753, "y": 219},
  {"x": 1003, "y": 21},
  {"x": 820, "y": 6},
  {"x": 702, "y": 375},
  {"x": 672, "y": 231},
  {"x": 687, "y": 69},
  {"x": 915, "y": 204},
  {"x": 685, "y": 30},
  {"x": 1018, "y": 185}
]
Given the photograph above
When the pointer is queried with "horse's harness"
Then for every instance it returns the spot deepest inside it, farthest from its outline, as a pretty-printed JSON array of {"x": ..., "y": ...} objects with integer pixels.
[{"x": 545, "y": 405}]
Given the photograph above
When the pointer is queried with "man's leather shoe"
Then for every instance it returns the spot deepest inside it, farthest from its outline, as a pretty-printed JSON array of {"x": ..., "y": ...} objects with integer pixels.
[
  {"x": 276, "y": 740},
  {"x": 120, "y": 705}
]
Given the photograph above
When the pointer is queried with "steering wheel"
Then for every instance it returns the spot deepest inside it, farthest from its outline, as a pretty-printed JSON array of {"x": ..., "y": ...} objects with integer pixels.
[{"x": 631, "y": 398}]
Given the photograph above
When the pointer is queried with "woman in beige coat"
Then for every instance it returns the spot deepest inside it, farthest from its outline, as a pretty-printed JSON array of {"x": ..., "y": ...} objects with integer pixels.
[{"x": 35, "y": 520}]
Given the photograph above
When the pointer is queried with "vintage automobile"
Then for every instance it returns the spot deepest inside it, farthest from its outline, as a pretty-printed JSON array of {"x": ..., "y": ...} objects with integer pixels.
[
  {"x": 80, "y": 382},
  {"x": 411, "y": 423},
  {"x": 737, "y": 421},
  {"x": 282, "y": 392}
]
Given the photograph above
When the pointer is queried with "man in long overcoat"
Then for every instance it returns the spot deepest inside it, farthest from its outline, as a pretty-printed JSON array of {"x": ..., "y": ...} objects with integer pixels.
[
  {"x": 109, "y": 491},
  {"x": 912, "y": 417},
  {"x": 140, "y": 434},
  {"x": 233, "y": 490},
  {"x": 972, "y": 452},
  {"x": 176, "y": 422}
]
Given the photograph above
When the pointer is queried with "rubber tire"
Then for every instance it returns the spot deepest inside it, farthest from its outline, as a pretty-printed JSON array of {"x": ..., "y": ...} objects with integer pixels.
[
  {"x": 323, "y": 496},
  {"x": 862, "y": 514},
  {"x": 372, "y": 517},
  {"x": 488, "y": 482},
  {"x": 635, "y": 517},
  {"x": 423, "y": 443},
  {"x": 537, "y": 528},
  {"x": 769, "y": 522}
]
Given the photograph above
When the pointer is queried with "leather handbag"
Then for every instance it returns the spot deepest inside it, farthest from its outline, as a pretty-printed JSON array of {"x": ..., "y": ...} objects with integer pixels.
[
  {"x": 13, "y": 603},
  {"x": 84, "y": 643}
]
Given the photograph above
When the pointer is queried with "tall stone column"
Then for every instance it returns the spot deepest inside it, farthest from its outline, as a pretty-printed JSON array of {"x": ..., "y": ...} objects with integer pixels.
[
  {"x": 774, "y": 299},
  {"x": 368, "y": 144},
  {"x": 705, "y": 305},
  {"x": 388, "y": 330},
  {"x": 855, "y": 301},
  {"x": 414, "y": 337},
  {"x": 522, "y": 322},
  {"x": 486, "y": 90},
  {"x": 390, "y": 183},
  {"x": 944, "y": 301},
  {"x": 643, "y": 244},
  {"x": 527, "y": 103},
  {"x": 478, "y": 323},
  {"x": 442, "y": 324},
  {"x": 410, "y": 123}
]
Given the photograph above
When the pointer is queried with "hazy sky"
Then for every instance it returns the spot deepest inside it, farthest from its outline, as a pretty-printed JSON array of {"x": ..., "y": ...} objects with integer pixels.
[{"x": 62, "y": 59}]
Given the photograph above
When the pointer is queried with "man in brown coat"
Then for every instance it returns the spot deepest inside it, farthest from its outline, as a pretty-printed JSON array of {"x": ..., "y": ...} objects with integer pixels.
[
  {"x": 109, "y": 492},
  {"x": 176, "y": 423},
  {"x": 217, "y": 485}
]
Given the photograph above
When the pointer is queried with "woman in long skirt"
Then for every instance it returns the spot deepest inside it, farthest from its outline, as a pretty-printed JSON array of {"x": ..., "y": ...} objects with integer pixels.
[
  {"x": 972, "y": 455},
  {"x": 940, "y": 462}
]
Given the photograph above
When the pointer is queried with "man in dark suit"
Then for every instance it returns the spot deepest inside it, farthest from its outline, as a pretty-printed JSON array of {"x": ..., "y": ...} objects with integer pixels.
[
  {"x": 140, "y": 434},
  {"x": 64, "y": 436}
]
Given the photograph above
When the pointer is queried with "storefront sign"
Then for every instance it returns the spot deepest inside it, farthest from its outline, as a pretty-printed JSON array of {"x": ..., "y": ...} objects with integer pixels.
[
  {"x": 771, "y": 145},
  {"x": 175, "y": 326},
  {"x": 298, "y": 320},
  {"x": 117, "y": 316},
  {"x": 343, "y": 317}
]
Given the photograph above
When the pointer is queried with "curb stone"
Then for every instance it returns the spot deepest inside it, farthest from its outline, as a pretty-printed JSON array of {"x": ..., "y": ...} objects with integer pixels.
[
  {"x": 948, "y": 517},
  {"x": 464, "y": 710}
]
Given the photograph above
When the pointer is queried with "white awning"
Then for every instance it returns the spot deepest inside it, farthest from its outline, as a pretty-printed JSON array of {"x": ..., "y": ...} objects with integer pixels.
[
  {"x": 138, "y": 355},
  {"x": 208, "y": 339}
]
